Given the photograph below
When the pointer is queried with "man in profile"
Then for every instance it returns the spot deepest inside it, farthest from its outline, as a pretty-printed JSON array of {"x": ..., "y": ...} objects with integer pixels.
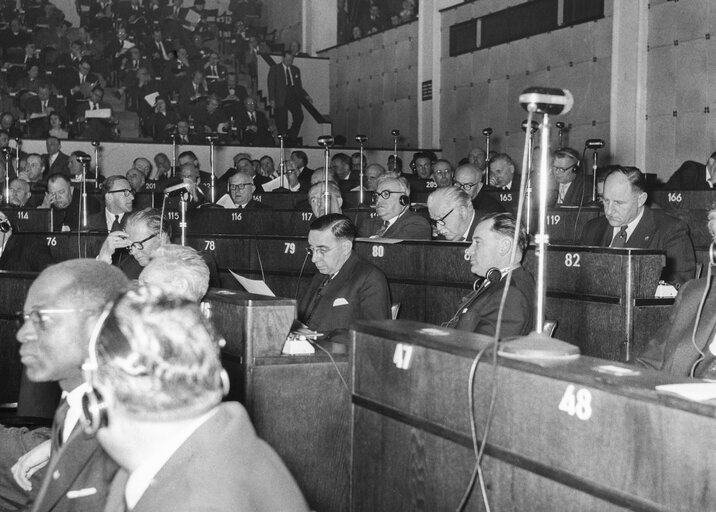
[
  {"x": 694, "y": 175},
  {"x": 628, "y": 222},
  {"x": 490, "y": 256},
  {"x": 394, "y": 218},
  {"x": 346, "y": 287},
  {"x": 61, "y": 308},
  {"x": 452, "y": 214},
  {"x": 178, "y": 446}
]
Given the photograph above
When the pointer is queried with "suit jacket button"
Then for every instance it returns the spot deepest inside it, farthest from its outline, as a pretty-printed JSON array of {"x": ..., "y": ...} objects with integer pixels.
[{"x": 56, "y": 474}]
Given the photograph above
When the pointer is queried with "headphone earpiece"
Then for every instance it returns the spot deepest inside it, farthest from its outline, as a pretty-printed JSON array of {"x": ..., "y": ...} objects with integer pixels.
[
  {"x": 94, "y": 411},
  {"x": 712, "y": 253},
  {"x": 404, "y": 200}
]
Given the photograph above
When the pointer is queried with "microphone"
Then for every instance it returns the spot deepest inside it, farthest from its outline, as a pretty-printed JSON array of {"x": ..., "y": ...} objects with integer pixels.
[
  {"x": 395, "y": 133},
  {"x": 325, "y": 140},
  {"x": 594, "y": 144},
  {"x": 547, "y": 100},
  {"x": 83, "y": 159},
  {"x": 174, "y": 188},
  {"x": 361, "y": 139},
  {"x": 487, "y": 132}
]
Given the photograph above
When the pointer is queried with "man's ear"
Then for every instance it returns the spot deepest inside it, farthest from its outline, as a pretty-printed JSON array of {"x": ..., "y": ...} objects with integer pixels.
[
  {"x": 642, "y": 199},
  {"x": 505, "y": 246}
]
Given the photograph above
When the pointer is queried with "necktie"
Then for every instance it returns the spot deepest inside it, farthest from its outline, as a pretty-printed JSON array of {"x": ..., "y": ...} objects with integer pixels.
[
  {"x": 82, "y": 78},
  {"x": 58, "y": 425},
  {"x": 116, "y": 226},
  {"x": 44, "y": 107},
  {"x": 253, "y": 117},
  {"x": 621, "y": 238},
  {"x": 213, "y": 71},
  {"x": 288, "y": 77},
  {"x": 115, "y": 496},
  {"x": 316, "y": 299},
  {"x": 382, "y": 229}
]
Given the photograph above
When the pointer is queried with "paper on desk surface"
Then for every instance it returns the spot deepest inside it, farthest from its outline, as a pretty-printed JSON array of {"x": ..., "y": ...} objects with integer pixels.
[
  {"x": 256, "y": 286},
  {"x": 275, "y": 183},
  {"x": 100, "y": 113},
  {"x": 697, "y": 391}
]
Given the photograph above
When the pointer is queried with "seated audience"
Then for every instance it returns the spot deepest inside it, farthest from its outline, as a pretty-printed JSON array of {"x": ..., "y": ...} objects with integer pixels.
[
  {"x": 442, "y": 173},
  {"x": 317, "y": 199},
  {"x": 23, "y": 254},
  {"x": 240, "y": 193},
  {"x": 628, "y": 222},
  {"x": 20, "y": 194},
  {"x": 55, "y": 159},
  {"x": 503, "y": 173},
  {"x": 394, "y": 219},
  {"x": 118, "y": 200},
  {"x": 156, "y": 436},
  {"x": 371, "y": 176},
  {"x": 491, "y": 250},
  {"x": 569, "y": 179},
  {"x": 346, "y": 287},
  {"x": 65, "y": 202},
  {"x": 469, "y": 178}
]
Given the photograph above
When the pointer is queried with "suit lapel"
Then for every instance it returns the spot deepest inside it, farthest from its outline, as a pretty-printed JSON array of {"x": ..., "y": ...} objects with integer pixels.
[{"x": 644, "y": 231}]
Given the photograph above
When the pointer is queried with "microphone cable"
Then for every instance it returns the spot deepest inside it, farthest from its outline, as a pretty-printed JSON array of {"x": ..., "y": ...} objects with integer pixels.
[{"x": 300, "y": 275}]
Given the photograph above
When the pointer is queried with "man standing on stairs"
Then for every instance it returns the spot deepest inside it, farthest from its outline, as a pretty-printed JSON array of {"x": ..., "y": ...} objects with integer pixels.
[{"x": 286, "y": 93}]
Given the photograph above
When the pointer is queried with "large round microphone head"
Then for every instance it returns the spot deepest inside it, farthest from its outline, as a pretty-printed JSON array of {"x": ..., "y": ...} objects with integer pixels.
[
  {"x": 281, "y": 136},
  {"x": 6, "y": 150},
  {"x": 84, "y": 159},
  {"x": 361, "y": 139},
  {"x": 325, "y": 141},
  {"x": 594, "y": 144},
  {"x": 547, "y": 100},
  {"x": 487, "y": 132},
  {"x": 559, "y": 125},
  {"x": 395, "y": 133},
  {"x": 493, "y": 276},
  {"x": 95, "y": 143}
]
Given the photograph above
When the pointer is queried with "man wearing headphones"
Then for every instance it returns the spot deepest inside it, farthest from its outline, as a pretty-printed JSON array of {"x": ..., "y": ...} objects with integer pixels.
[
  {"x": 155, "y": 386},
  {"x": 568, "y": 178},
  {"x": 490, "y": 256},
  {"x": 394, "y": 218}
]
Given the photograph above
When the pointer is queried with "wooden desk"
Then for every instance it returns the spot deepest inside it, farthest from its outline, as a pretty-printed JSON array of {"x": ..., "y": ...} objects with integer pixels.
[{"x": 565, "y": 436}]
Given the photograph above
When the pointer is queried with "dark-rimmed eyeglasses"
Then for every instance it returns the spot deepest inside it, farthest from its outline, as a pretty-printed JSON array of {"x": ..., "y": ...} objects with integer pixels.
[
  {"x": 138, "y": 246},
  {"x": 441, "y": 221},
  {"x": 40, "y": 317},
  {"x": 240, "y": 186},
  {"x": 127, "y": 191},
  {"x": 385, "y": 194},
  {"x": 560, "y": 170},
  {"x": 464, "y": 186}
]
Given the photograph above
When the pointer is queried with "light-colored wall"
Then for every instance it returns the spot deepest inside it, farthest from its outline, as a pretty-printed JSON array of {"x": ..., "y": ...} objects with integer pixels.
[
  {"x": 373, "y": 87},
  {"x": 284, "y": 16},
  {"x": 481, "y": 89},
  {"x": 681, "y": 80}
]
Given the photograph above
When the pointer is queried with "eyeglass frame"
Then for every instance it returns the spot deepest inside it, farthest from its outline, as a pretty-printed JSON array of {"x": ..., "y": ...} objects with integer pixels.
[
  {"x": 35, "y": 315},
  {"x": 320, "y": 251},
  {"x": 462, "y": 186},
  {"x": 389, "y": 192},
  {"x": 239, "y": 186},
  {"x": 127, "y": 192},
  {"x": 563, "y": 170},
  {"x": 439, "y": 223},
  {"x": 139, "y": 246}
]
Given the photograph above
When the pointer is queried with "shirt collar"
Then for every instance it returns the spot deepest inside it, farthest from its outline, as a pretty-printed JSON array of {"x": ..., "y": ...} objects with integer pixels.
[{"x": 630, "y": 227}]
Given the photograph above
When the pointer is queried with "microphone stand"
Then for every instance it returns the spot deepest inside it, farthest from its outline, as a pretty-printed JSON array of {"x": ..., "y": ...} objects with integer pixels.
[
  {"x": 211, "y": 140},
  {"x": 281, "y": 155},
  {"x": 95, "y": 144},
  {"x": 487, "y": 132},
  {"x": 326, "y": 141},
  {"x": 172, "y": 171},
  {"x": 85, "y": 161},
  {"x": 6, "y": 154},
  {"x": 17, "y": 156},
  {"x": 560, "y": 131},
  {"x": 361, "y": 140},
  {"x": 183, "y": 202},
  {"x": 528, "y": 191},
  {"x": 594, "y": 175},
  {"x": 395, "y": 134}
]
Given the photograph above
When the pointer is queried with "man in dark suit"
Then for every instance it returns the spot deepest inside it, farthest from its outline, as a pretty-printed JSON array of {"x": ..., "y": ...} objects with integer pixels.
[
  {"x": 60, "y": 310},
  {"x": 627, "y": 222},
  {"x": 490, "y": 257},
  {"x": 65, "y": 202},
  {"x": 55, "y": 160},
  {"x": 96, "y": 128},
  {"x": 182, "y": 422},
  {"x": 568, "y": 177},
  {"x": 346, "y": 287},
  {"x": 452, "y": 215},
  {"x": 191, "y": 91},
  {"x": 285, "y": 92},
  {"x": 38, "y": 109},
  {"x": 469, "y": 177},
  {"x": 694, "y": 175},
  {"x": 118, "y": 201},
  {"x": 503, "y": 174},
  {"x": 300, "y": 160},
  {"x": 671, "y": 350},
  {"x": 254, "y": 126},
  {"x": 26, "y": 254},
  {"x": 394, "y": 219},
  {"x": 240, "y": 193}
]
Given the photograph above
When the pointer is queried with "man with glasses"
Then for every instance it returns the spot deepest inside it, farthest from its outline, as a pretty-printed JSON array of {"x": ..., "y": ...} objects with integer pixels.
[
  {"x": 468, "y": 177},
  {"x": 240, "y": 193},
  {"x": 144, "y": 232},
  {"x": 346, "y": 287},
  {"x": 568, "y": 178},
  {"x": 394, "y": 218},
  {"x": 118, "y": 200},
  {"x": 451, "y": 214},
  {"x": 60, "y": 310},
  {"x": 442, "y": 173}
]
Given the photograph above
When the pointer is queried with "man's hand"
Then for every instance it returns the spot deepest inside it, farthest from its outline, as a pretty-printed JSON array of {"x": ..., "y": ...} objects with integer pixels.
[
  {"x": 47, "y": 200},
  {"x": 114, "y": 241},
  {"x": 30, "y": 463}
]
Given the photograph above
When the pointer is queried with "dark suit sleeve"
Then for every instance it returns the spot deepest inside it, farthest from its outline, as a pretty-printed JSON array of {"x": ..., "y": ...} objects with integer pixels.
[
  {"x": 14, "y": 443},
  {"x": 416, "y": 228},
  {"x": 514, "y": 316},
  {"x": 680, "y": 259},
  {"x": 375, "y": 297},
  {"x": 271, "y": 83},
  {"x": 39, "y": 256}
]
